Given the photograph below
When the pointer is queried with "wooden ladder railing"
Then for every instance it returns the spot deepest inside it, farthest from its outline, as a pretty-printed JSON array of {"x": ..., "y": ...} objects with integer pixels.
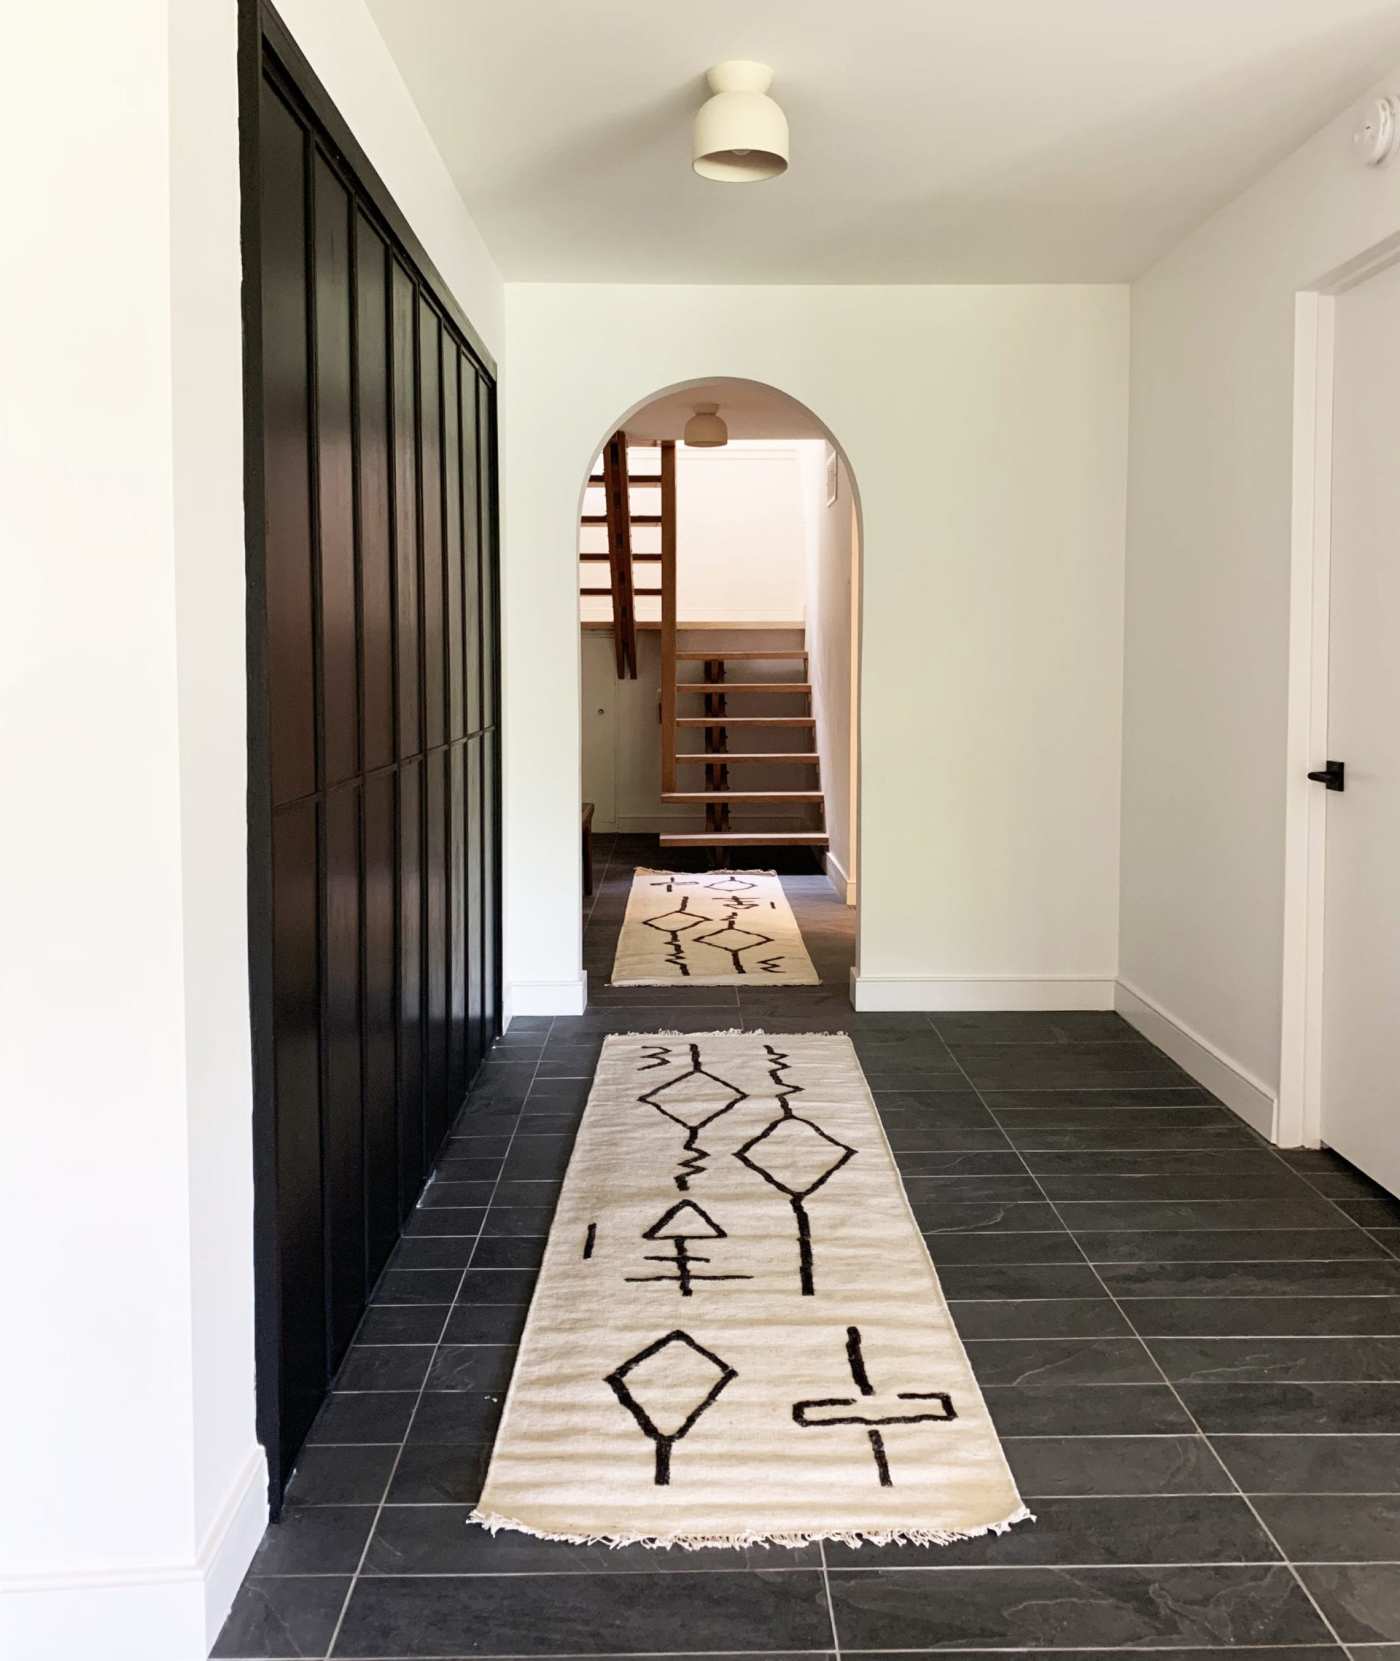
[
  {"x": 668, "y": 615},
  {"x": 619, "y": 511},
  {"x": 617, "y": 483}
]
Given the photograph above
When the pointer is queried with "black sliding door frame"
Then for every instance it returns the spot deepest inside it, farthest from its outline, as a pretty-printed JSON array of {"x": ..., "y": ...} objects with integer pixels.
[{"x": 421, "y": 780}]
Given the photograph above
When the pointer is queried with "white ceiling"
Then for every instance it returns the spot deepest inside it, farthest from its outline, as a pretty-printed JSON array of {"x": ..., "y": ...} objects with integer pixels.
[
  {"x": 750, "y": 409},
  {"x": 932, "y": 140}
]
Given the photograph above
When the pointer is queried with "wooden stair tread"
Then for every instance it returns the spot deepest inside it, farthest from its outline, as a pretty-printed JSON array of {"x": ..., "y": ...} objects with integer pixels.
[
  {"x": 702, "y": 796},
  {"x": 743, "y": 839},
  {"x": 711, "y": 688},
  {"x": 786, "y": 758},
  {"x": 635, "y": 481},
  {"x": 747, "y": 655},
  {"x": 606, "y": 557},
  {"x": 635, "y": 591},
  {"x": 744, "y": 720},
  {"x": 636, "y": 518}
]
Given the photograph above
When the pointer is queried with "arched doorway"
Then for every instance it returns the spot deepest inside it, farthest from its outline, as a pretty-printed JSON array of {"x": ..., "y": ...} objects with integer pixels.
[{"x": 719, "y": 616}]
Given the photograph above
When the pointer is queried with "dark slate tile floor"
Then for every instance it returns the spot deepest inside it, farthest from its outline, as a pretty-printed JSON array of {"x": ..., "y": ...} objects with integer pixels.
[{"x": 1190, "y": 1344}]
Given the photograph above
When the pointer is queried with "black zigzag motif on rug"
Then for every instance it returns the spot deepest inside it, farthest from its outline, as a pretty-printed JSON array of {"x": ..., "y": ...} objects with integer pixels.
[
  {"x": 872, "y": 1422},
  {"x": 676, "y": 1099},
  {"x": 673, "y": 925},
  {"x": 684, "y": 1222},
  {"x": 642, "y": 1373},
  {"x": 682, "y": 921},
  {"x": 789, "y": 1156}
]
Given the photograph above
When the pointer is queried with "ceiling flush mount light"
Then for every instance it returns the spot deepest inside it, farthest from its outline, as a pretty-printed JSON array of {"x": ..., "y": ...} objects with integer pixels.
[
  {"x": 741, "y": 136},
  {"x": 1378, "y": 136},
  {"x": 705, "y": 430}
]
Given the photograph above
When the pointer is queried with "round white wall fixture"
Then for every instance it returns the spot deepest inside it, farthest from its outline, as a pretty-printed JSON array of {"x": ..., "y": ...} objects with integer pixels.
[
  {"x": 705, "y": 430},
  {"x": 1376, "y": 139},
  {"x": 740, "y": 135}
]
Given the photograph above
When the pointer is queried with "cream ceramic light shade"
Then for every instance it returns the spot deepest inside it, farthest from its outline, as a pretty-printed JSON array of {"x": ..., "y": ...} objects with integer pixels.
[
  {"x": 741, "y": 136},
  {"x": 705, "y": 430}
]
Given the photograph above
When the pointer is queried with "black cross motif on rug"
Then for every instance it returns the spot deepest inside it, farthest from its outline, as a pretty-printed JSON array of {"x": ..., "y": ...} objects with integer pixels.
[{"x": 835, "y": 1410}]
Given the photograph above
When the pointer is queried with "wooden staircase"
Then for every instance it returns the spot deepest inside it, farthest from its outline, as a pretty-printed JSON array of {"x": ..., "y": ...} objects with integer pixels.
[
  {"x": 639, "y": 494},
  {"x": 720, "y": 793}
]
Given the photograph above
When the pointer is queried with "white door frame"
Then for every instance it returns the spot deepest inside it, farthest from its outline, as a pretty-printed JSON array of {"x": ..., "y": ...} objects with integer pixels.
[{"x": 1299, "y": 1118}]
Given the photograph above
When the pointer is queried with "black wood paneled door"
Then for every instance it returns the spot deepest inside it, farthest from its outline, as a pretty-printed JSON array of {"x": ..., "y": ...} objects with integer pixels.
[{"x": 374, "y": 774}]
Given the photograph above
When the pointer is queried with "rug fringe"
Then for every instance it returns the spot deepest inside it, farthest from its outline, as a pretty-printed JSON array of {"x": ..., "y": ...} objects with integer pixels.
[
  {"x": 728, "y": 871},
  {"x": 717, "y": 1032},
  {"x": 494, "y": 1522}
]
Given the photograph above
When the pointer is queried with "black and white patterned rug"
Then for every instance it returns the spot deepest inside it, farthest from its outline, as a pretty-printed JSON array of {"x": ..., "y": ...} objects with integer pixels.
[
  {"x": 710, "y": 928},
  {"x": 737, "y": 1335}
]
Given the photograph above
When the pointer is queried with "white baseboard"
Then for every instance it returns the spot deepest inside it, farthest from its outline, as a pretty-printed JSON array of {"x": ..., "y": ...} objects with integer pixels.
[
  {"x": 229, "y": 1546},
  {"x": 837, "y": 876},
  {"x": 981, "y": 992},
  {"x": 147, "y": 1612},
  {"x": 1246, "y": 1095},
  {"x": 546, "y": 997}
]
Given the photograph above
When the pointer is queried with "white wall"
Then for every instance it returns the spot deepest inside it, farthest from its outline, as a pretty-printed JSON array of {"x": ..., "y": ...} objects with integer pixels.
[
  {"x": 985, "y": 428},
  {"x": 740, "y": 549},
  {"x": 1210, "y": 498},
  {"x": 135, "y": 1490},
  {"x": 107, "y": 1110},
  {"x": 832, "y": 613}
]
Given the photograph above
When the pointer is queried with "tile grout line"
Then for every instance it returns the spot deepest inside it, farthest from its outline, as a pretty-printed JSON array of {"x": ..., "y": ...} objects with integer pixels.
[
  {"x": 830, "y": 1606},
  {"x": 422, "y": 1389},
  {"x": 1161, "y": 1371},
  {"x": 1332, "y": 1201}
]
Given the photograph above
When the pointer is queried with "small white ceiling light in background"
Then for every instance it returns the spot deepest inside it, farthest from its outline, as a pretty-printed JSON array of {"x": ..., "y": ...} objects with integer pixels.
[
  {"x": 740, "y": 134},
  {"x": 1378, "y": 136},
  {"x": 705, "y": 430}
]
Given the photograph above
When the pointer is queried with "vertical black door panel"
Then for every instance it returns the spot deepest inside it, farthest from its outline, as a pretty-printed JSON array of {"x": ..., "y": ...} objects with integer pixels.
[
  {"x": 435, "y": 944},
  {"x": 490, "y": 625},
  {"x": 373, "y": 752},
  {"x": 477, "y": 1038},
  {"x": 452, "y": 537},
  {"x": 491, "y": 883},
  {"x": 410, "y": 1035},
  {"x": 372, "y": 436},
  {"x": 297, "y": 1072},
  {"x": 472, "y": 538},
  {"x": 430, "y": 485},
  {"x": 380, "y": 1021},
  {"x": 457, "y": 927},
  {"x": 335, "y": 486},
  {"x": 291, "y": 660},
  {"x": 404, "y": 377},
  {"x": 342, "y": 1114}
]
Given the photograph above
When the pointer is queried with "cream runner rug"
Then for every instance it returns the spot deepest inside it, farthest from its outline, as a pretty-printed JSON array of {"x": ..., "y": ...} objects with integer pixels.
[
  {"x": 710, "y": 928},
  {"x": 737, "y": 1335}
]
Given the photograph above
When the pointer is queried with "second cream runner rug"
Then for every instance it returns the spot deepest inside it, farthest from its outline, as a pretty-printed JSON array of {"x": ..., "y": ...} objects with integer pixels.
[
  {"x": 737, "y": 1335},
  {"x": 710, "y": 928}
]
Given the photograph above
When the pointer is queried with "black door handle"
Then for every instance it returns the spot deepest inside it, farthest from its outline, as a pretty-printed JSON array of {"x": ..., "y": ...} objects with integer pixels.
[{"x": 1333, "y": 775}]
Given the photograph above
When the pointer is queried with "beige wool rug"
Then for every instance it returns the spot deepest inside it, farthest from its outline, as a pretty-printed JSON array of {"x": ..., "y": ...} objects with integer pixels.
[
  {"x": 737, "y": 1336},
  {"x": 710, "y": 928}
]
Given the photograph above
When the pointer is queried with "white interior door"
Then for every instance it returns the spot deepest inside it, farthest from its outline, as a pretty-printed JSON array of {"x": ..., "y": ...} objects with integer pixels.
[
  {"x": 1361, "y": 933},
  {"x": 599, "y": 707}
]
